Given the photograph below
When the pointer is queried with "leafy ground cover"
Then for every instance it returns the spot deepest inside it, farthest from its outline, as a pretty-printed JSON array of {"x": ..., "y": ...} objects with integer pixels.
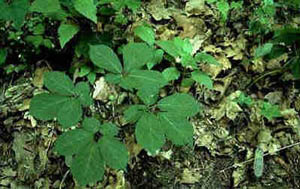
[{"x": 149, "y": 94}]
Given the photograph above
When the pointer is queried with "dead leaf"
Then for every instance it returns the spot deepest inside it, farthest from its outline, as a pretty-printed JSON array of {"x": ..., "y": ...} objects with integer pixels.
[
  {"x": 195, "y": 7},
  {"x": 102, "y": 90},
  {"x": 38, "y": 77}
]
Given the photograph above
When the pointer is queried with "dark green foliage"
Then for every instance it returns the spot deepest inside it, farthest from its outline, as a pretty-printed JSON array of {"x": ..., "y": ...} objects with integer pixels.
[
  {"x": 64, "y": 102},
  {"x": 90, "y": 156},
  {"x": 170, "y": 122},
  {"x": 15, "y": 11}
]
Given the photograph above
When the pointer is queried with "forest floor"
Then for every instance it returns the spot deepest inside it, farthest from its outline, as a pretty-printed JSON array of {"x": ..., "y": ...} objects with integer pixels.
[{"x": 226, "y": 133}]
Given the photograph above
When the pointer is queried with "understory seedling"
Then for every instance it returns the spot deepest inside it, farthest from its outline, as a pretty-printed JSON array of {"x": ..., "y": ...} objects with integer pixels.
[
  {"x": 165, "y": 120},
  {"x": 274, "y": 48},
  {"x": 155, "y": 123},
  {"x": 64, "y": 101},
  {"x": 224, "y": 7},
  {"x": 131, "y": 74},
  {"x": 262, "y": 19},
  {"x": 269, "y": 110},
  {"x": 182, "y": 52},
  {"x": 92, "y": 147}
]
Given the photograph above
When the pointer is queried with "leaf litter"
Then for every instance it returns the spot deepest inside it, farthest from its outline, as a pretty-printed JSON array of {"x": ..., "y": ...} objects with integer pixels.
[{"x": 226, "y": 133}]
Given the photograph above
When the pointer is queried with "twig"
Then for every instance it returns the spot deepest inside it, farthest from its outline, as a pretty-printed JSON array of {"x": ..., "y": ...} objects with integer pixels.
[
  {"x": 63, "y": 180},
  {"x": 265, "y": 154}
]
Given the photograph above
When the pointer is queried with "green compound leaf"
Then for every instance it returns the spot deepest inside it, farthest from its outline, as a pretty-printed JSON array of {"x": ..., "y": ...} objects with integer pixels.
[
  {"x": 149, "y": 133},
  {"x": 70, "y": 113},
  {"x": 87, "y": 8},
  {"x": 49, "y": 8},
  {"x": 45, "y": 106},
  {"x": 58, "y": 82},
  {"x": 64, "y": 103},
  {"x": 177, "y": 129},
  {"x": 88, "y": 166},
  {"x": 258, "y": 162},
  {"x": 82, "y": 89},
  {"x": 171, "y": 122},
  {"x": 15, "y": 12},
  {"x": 114, "y": 152},
  {"x": 136, "y": 55},
  {"x": 182, "y": 105},
  {"x": 104, "y": 57},
  {"x": 171, "y": 74},
  {"x": 66, "y": 32},
  {"x": 206, "y": 58},
  {"x": 270, "y": 111},
  {"x": 203, "y": 79},
  {"x": 147, "y": 34},
  {"x": 134, "y": 113},
  {"x": 90, "y": 156},
  {"x": 263, "y": 50}
]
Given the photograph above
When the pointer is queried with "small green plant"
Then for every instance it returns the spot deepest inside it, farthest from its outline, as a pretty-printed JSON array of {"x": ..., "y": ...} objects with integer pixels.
[
  {"x": 262, "y": 20},
  {"x": 91, "y": 148},
  {"x": 25, "y": 22},
  {"x": 181, "y": 51},
  {"x": 224, "y": 7},
  {"x": 267, "y": 110},
  {"x": 270, "y": 111},
  {"x": 155, "y": 123},
  {"x": 64, "y": 102},
  {"x": 283, "y": 39},
  {"x": 130, "y": 75},
  {"x": 165, "y": 120}
]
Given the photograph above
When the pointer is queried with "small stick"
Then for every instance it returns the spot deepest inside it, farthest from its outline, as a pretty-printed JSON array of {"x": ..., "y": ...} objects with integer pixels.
[
  {"x": 63, "y": 180},
  {"x": 265, "y": 154}
]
